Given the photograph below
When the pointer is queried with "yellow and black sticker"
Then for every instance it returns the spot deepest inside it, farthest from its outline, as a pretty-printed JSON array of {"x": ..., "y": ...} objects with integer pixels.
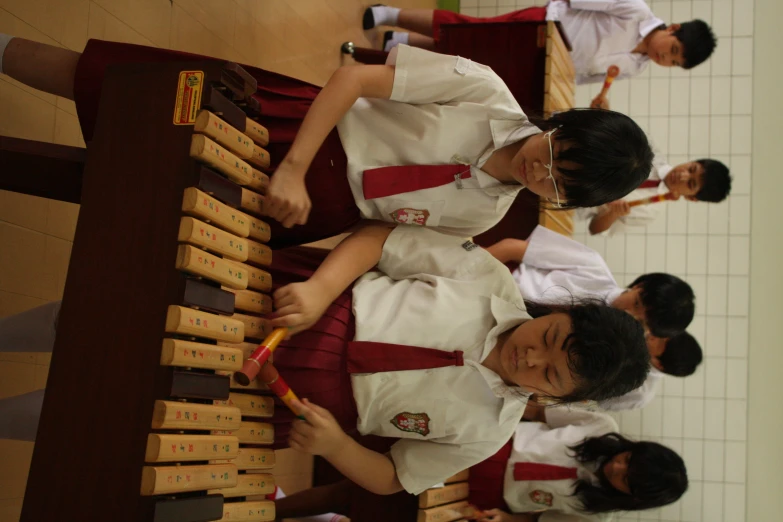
[{"x": 189, "y": 89}]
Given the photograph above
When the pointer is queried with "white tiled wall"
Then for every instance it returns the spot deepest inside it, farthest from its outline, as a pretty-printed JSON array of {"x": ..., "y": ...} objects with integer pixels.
[{"x": 704, "y": 112}]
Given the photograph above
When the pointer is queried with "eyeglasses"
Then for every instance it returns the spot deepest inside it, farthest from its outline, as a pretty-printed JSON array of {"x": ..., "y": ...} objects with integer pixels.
[{"x": 549, "y": 168}]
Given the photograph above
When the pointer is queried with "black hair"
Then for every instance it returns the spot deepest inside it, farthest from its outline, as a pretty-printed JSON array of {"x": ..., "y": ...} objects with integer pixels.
[
  {"x": 610, "y": 152},
  {"x": 668, "y": 303},
  {"x": 656, "y": 475},
  {"x": 717, "y": 182},
  {"x": 698, "y": 42},
  {"x": 607, "y": 352},
  {"x": 681, "y": 356}
]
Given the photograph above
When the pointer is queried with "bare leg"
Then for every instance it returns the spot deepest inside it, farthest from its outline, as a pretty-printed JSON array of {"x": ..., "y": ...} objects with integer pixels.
[
  {"x": 424, "y": 42},
  {"x": 417, "y": 20},
  {"x": 41, "y": 66},
  {"x": 332, "y": 498}
]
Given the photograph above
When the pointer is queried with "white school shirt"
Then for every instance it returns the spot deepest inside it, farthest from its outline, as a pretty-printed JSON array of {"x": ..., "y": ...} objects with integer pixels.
[
  {"x": 555, "y": 269},
  {"x": 642, "y": 215},
  {"x": 549, "y": 444},
  {"x": 443, "y": 110},
  {"x": 441, "y": 292},
  {"x": 603, "y": 33}
]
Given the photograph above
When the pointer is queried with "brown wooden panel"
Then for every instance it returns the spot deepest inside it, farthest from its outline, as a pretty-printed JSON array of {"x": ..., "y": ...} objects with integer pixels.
[{"x": 123, "y": 301}]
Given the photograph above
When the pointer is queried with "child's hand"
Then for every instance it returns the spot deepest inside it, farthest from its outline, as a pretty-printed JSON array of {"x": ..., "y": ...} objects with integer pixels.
[
  {"x": 286, "y": 199},
  {"x": 320, "y": 435},
  {"x": 619, "y": 208},
  {"x": 496, "y": 515},
  {"x": 599, "y": 102},
  {"x": 299, "y": 306}
]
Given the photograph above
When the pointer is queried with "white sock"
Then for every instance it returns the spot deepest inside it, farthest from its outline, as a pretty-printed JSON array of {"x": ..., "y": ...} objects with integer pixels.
[
  {"x": 4, "y": 39},
  {"x": 397, "y": 38},
  {"x": 385, "y": 15}
]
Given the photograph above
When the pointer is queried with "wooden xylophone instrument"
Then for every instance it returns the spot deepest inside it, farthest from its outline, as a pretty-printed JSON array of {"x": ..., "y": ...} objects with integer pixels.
[{"x": 165, "y": 289}]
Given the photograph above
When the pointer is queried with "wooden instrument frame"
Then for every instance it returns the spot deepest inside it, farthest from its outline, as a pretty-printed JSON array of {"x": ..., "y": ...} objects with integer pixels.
[{"x": 90, "y": 447}]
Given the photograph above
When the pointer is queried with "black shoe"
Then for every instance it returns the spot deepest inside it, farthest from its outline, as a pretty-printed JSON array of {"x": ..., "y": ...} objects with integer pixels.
[
  {"x": 368, "y": 20},
  {"x": 386, "y": 37}
]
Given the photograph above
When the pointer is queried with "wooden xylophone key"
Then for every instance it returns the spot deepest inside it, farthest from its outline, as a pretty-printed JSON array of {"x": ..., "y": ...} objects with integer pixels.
[
  {"x": 251, "y": 511},
  {"x": 250, "y": 405},
  {"x": 189, "y": 354},
  {"x": 167, "y": 447},
  {"x": 249, "y": 484},
  {"x": 250, "y": 301}
]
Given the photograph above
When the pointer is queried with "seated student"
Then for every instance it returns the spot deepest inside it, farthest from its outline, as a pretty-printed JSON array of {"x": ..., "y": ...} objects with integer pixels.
[
  {"x": 555, "y": 269},
  {"x": 576, "y": 468},
  {"x": 625, "y": 33},
  {"x": 433, "y": 351},
  {"x": 700, "y": 180},
  {"x": 451, "y": 120},
  {"x": 572, "y": 464}
]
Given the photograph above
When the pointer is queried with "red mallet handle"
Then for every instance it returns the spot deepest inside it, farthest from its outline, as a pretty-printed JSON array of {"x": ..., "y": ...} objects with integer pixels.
[
  {"x": 652, "y": 199},
  {"x": 271, "y": 377},
  {"x": 254, "y": 363}
]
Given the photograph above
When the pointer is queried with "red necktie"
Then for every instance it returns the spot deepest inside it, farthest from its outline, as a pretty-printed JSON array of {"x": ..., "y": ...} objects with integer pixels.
[
  {"x": 650, "y": 183},
  {"x": 370, "y": 357},
  {"x": 388, "y": 181},
  {"x": 534, "y": 471}
]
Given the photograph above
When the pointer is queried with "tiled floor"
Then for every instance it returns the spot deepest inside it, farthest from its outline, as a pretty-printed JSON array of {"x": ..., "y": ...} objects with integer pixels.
[{"x": 299, "y": 38}]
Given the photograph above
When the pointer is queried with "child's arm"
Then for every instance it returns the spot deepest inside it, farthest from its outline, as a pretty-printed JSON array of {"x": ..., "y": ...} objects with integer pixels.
[
  {"x": 507, "y": 250},
  {"x": 498, "y": 515},
  {"x": 322, "y": 435},
  {"x": 299, "y": 305},
  {"x": 287, "y": 200},
  {"x": 608, "y": 215}
]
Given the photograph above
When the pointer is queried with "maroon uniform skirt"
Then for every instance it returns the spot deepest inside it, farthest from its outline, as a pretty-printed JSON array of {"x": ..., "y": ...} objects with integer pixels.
[
  {"x": 486, "y": 480},
  {"x": 284, "y": 103},
  {"x": 314, "y": 364},
  {"x": 440, "y": 17}
]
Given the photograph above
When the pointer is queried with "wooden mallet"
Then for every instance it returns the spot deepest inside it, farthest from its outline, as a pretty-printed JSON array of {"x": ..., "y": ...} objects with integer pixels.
[
  {"x": 653, "y": 199},
  {"x": 611, "y": 73}
]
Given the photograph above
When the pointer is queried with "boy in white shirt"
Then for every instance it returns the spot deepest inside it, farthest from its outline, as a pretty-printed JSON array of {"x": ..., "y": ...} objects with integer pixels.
[
  {"x": 625, "y": 33},
  {"x": 699, "y": 180},
  {"x": 556, "y": 269}
]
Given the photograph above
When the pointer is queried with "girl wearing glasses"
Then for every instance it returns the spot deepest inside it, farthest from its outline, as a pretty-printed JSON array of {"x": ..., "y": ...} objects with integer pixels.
[{"x": 462, "y": 145}]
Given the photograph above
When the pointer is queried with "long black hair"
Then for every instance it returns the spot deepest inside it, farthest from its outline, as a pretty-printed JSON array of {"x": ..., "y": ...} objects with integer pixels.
[
  {"x": 656, "y": 475},
  {"x": 607, "y": 352},
  {"x": 611, "y": 154}
]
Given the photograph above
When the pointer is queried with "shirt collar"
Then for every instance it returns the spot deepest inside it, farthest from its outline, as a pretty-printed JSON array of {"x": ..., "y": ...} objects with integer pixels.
[
  {"x": 613, "y": 294},
  {"x": 648, "y": 25}
]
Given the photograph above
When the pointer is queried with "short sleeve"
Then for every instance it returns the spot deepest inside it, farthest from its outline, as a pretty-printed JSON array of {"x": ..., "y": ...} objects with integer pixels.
[
  {"x": 422, "y": 76},
  {"x": 411, "y": 250},
  {"x": 548, "y": 250},
  {"x": 422, "y": 464}
]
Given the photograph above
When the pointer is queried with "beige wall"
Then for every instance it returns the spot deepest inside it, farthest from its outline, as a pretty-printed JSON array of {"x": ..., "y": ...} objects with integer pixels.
[{"x": 765, "y": 415}]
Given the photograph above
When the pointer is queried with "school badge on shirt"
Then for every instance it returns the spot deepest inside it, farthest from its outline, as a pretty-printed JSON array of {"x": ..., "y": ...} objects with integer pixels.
[
  {"x": 469, "y": 245},
  {"x": 541, "y": 497},
  {"x": 412, "y": 422},
  {"x": 410, "y": 216}
]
